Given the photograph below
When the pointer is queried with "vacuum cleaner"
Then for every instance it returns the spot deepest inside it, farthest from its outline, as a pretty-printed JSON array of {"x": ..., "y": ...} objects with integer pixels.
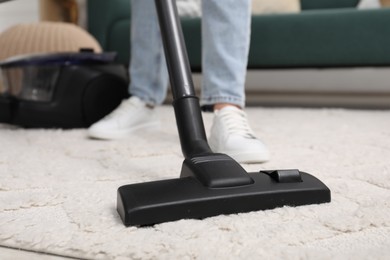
[
  {"x": 210, "y": 183},
  {"x": 60, "y": 90}
]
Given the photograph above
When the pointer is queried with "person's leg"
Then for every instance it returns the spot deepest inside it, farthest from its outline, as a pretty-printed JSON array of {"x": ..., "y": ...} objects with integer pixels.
[
  {"x": 225, "y": 46},
  {"x": 148, "y": 72},
  {"x": 148, "y": 77},
  {"x": 225, "y": 39}
]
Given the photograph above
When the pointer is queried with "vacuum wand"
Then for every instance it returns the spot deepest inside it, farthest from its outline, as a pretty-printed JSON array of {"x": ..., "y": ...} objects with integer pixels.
[
  {"x": 175, "y": 51},
  {"x": 187, "y": 109}
]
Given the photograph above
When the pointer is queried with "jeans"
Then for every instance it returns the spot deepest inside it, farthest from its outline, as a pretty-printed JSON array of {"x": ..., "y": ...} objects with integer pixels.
[{"x": 225, "y": 47}]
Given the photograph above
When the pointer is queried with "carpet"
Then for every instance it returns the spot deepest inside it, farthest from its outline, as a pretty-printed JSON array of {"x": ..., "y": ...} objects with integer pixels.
[{"x": 58, "y": 191}]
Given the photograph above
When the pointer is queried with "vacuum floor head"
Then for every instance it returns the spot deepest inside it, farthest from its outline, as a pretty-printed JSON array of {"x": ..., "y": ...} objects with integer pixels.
[{"x": 223, "y": 192}]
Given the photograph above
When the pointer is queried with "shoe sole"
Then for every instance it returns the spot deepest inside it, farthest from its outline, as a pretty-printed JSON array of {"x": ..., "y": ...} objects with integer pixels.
[
  {"x": 112, "y": 135},
  {"x": 249, "y": 157}
]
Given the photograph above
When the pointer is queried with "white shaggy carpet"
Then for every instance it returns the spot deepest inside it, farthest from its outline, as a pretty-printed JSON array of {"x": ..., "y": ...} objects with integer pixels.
[{"x": 58, "y": 191}]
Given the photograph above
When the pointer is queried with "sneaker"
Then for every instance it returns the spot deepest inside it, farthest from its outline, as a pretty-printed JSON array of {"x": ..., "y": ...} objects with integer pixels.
[
  {"x": 131, "y": 115},
  {"x": 232, "y": 135}
]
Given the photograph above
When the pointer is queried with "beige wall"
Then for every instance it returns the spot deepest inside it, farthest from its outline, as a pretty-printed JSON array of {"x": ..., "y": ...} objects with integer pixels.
[{"x": 18, "y": 11}]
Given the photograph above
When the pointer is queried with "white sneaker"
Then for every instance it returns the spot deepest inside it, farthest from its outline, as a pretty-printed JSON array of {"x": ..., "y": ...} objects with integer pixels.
[
  {"x": 232, "y": 135},
  {"x": 131, "y": 115}
]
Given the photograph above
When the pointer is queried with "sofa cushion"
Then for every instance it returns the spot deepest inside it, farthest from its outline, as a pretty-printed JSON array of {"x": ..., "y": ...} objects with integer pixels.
[
  {"x": 103, "y": 15},
  {"x": 313, "y": 38},
  {"x": 327, "y": 4},
  {"x": 325, "y": 38}
]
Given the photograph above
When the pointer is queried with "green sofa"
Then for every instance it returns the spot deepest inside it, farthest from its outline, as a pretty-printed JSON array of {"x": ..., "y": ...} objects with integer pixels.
[{"x": 326, "y": 34}]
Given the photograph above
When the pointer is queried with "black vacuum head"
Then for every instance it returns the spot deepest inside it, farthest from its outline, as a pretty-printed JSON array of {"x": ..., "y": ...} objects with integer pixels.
[{"x": 189, "y": 197}]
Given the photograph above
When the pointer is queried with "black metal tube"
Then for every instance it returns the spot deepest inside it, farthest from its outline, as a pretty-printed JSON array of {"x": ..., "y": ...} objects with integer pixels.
[
  {"x": 187, "y": 109},
  {"x": 175, "y": 51}
]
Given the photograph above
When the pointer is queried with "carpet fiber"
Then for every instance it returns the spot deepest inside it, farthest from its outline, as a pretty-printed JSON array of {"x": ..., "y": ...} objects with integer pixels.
[{"x": 58, "y": 191}]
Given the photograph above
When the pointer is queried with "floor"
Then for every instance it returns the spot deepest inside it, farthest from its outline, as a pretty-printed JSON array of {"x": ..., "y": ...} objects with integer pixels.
[
  {"x": 11, "y": 13},
  {"x": 60, "y": 198}
]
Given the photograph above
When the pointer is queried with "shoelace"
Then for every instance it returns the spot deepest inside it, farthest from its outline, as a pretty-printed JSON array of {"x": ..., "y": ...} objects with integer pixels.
[{"x": 237, "y": 123}]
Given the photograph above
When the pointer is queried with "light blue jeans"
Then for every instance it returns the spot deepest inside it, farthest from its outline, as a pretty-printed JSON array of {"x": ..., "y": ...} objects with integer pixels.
[{"x": 225, "y": 46}]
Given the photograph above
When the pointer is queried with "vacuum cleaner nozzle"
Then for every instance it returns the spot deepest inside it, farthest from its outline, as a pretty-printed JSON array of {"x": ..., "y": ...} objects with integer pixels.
[{"x": 189, "y": 198}]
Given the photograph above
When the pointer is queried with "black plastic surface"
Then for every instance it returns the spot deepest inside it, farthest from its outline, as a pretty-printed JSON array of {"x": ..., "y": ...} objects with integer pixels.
[
  {"x": 65, "y": 58},
  {"x": 190, "y": 126},
  {"x": 175, "y": 50},
  {"x": 82, "y": 95},
  {"x": 285, "y": 176},
  {"x": 216, "y": 171},
  {"x": 185, "y": 198},
  {"x": 5, "y": 109},
  {"x": 187, "y": 109}
]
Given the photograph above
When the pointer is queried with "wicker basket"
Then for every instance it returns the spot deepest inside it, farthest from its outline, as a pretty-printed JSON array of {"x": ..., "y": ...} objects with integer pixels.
[{"x": 45, "y": 37}]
